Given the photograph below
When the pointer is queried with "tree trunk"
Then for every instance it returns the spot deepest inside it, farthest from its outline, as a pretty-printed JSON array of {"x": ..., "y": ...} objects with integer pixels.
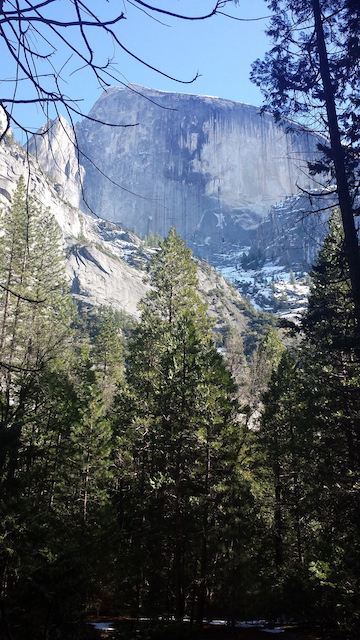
[
  {"x": 4, "y": 619},
  {"x": 300, "y": 550},
  {"x": 338, "y": 156},
  {"x": 200, "y": 604},
  {"x": 178, "y": 551},
  {"x": 200, "y": 601},
  {"x": 279, "y": 558}
]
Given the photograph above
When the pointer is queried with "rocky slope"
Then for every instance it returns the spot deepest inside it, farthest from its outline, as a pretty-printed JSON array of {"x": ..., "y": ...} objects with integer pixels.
[
  {"x": 294, "y": 230},
  {"x": 96, "y": 257},
  {"x": 211, "y": 167},
  {"x": 105, "y": 264}
]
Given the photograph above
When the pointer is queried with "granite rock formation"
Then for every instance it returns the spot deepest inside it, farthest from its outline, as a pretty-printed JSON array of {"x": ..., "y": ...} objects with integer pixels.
[
  {"x": 105, "y": 264},
  {"x": 55, "y": 149},
  {"x": 294, "y": 230},
  {"x": 100, "y": 261},
  {"x": 211, "y": 167}
]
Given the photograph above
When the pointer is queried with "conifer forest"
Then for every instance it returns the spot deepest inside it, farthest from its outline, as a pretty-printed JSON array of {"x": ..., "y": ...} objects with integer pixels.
[
  {"x": 146, "y": 473},
  {"x": 167, "y": 469}
]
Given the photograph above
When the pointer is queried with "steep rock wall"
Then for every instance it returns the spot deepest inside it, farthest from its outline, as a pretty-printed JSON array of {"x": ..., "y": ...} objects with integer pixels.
[
  {"x": 56, "y": 151},
  {"x": 294, "y": 230},
  {"x": 105, "y": 264},
  {"x": 210, "y": 167},
  {"x": 97, "y": 257}
]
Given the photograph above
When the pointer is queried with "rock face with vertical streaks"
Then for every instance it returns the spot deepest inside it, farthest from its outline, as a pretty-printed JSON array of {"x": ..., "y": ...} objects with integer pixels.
[{"x": 211, "y": 167}]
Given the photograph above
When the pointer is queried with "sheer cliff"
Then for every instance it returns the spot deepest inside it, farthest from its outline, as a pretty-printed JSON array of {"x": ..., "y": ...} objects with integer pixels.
[
  {"x": 211, "y": 167},
  {"x": 100, "y": 263},
  {"x": 105, "y": 264}
]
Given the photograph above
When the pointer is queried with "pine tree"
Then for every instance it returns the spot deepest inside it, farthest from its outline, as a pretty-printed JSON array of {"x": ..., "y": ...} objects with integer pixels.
[
  {"x": 287, "y": 441},
  {"x": 35, "y": 310},
  {"x": 35, "y": 317},
  {"x": 178, "y": 417},
  {"x": 35, "y": 307},
  {"x": 330, "y": 325},
  {"x": 91, "y": 439},
  {"x": 107, "y": 353},
  {"x": 310, "y": 433},
  {"x": 312, "y": 74}
]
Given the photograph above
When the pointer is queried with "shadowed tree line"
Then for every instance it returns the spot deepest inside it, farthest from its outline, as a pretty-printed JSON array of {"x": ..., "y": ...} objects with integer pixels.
[{"x": 137, "y": 479}]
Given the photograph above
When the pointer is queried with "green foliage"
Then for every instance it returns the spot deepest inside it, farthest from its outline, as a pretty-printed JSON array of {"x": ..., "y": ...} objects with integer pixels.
[
  {"x": 257, "y": 328},
  {"x": 310, "y": 436},
  {"x": 330, "y": 323},
  {"x": 330, "y": 318},
  {"x": 153, "y": 239},
  {"x": 53, "y": 475},
  {"x": 173, "y": 278},
  {"x": 132, "y": 482},
  {"x": 311, "y": 74},
  {"x": 178, "y": 422},
  {"x": 108, "y": 351},
  {"x": 33, "y": 287},
  {"x": 290, "y": 79}
]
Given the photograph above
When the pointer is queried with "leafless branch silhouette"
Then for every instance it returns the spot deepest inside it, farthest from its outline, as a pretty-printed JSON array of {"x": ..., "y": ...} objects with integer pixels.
[{"x": 32, "y": 33}]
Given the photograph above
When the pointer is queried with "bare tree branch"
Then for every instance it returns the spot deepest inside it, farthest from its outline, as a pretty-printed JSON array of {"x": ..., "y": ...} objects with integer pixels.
[
  {"x": 17, "y": 295},
  {"x": 30, "y": 32}
]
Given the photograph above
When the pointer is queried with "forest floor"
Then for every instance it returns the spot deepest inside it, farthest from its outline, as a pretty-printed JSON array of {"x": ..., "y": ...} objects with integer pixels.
[
  {"x": 172, "y": 631},
  {"x": 295, "y": 633}
]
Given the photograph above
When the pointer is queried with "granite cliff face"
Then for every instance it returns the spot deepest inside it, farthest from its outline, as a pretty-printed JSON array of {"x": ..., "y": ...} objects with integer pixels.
[
  {"x": 56, "y": 151},
  {"x": 294, "y": 230},
  {"x": 105, "y": 264},
  {"x": 226, "y": 176},
  {"x": 211, "y": 167},
  {"x": 100, "y": 260}
]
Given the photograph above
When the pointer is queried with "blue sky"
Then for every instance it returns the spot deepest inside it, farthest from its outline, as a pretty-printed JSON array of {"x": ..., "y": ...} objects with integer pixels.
[{"x": 219, "y": 48}]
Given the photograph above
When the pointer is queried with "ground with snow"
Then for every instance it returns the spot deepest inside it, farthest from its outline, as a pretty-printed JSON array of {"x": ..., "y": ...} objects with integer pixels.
[{"x": 270, "y": 287}]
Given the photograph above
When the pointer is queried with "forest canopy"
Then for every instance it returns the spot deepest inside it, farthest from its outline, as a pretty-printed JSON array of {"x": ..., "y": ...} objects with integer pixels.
[
  {"x": 138, "y": 479},
  {"x": 146, "y": 473}
]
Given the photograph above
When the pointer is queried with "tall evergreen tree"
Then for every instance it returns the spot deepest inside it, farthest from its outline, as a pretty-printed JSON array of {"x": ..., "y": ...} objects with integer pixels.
[
  {"x": 179, "y": 421},
  {"x": 310, "y": 432},
  {"x": 35, "y": 310},
  {"x": 287, "y": 441},
  {"x": 91, "y": 436},
  {"x": 330, "y": 326},
  {"x": 35, "y": 314},
  {"x": 35, "y": 317}
]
